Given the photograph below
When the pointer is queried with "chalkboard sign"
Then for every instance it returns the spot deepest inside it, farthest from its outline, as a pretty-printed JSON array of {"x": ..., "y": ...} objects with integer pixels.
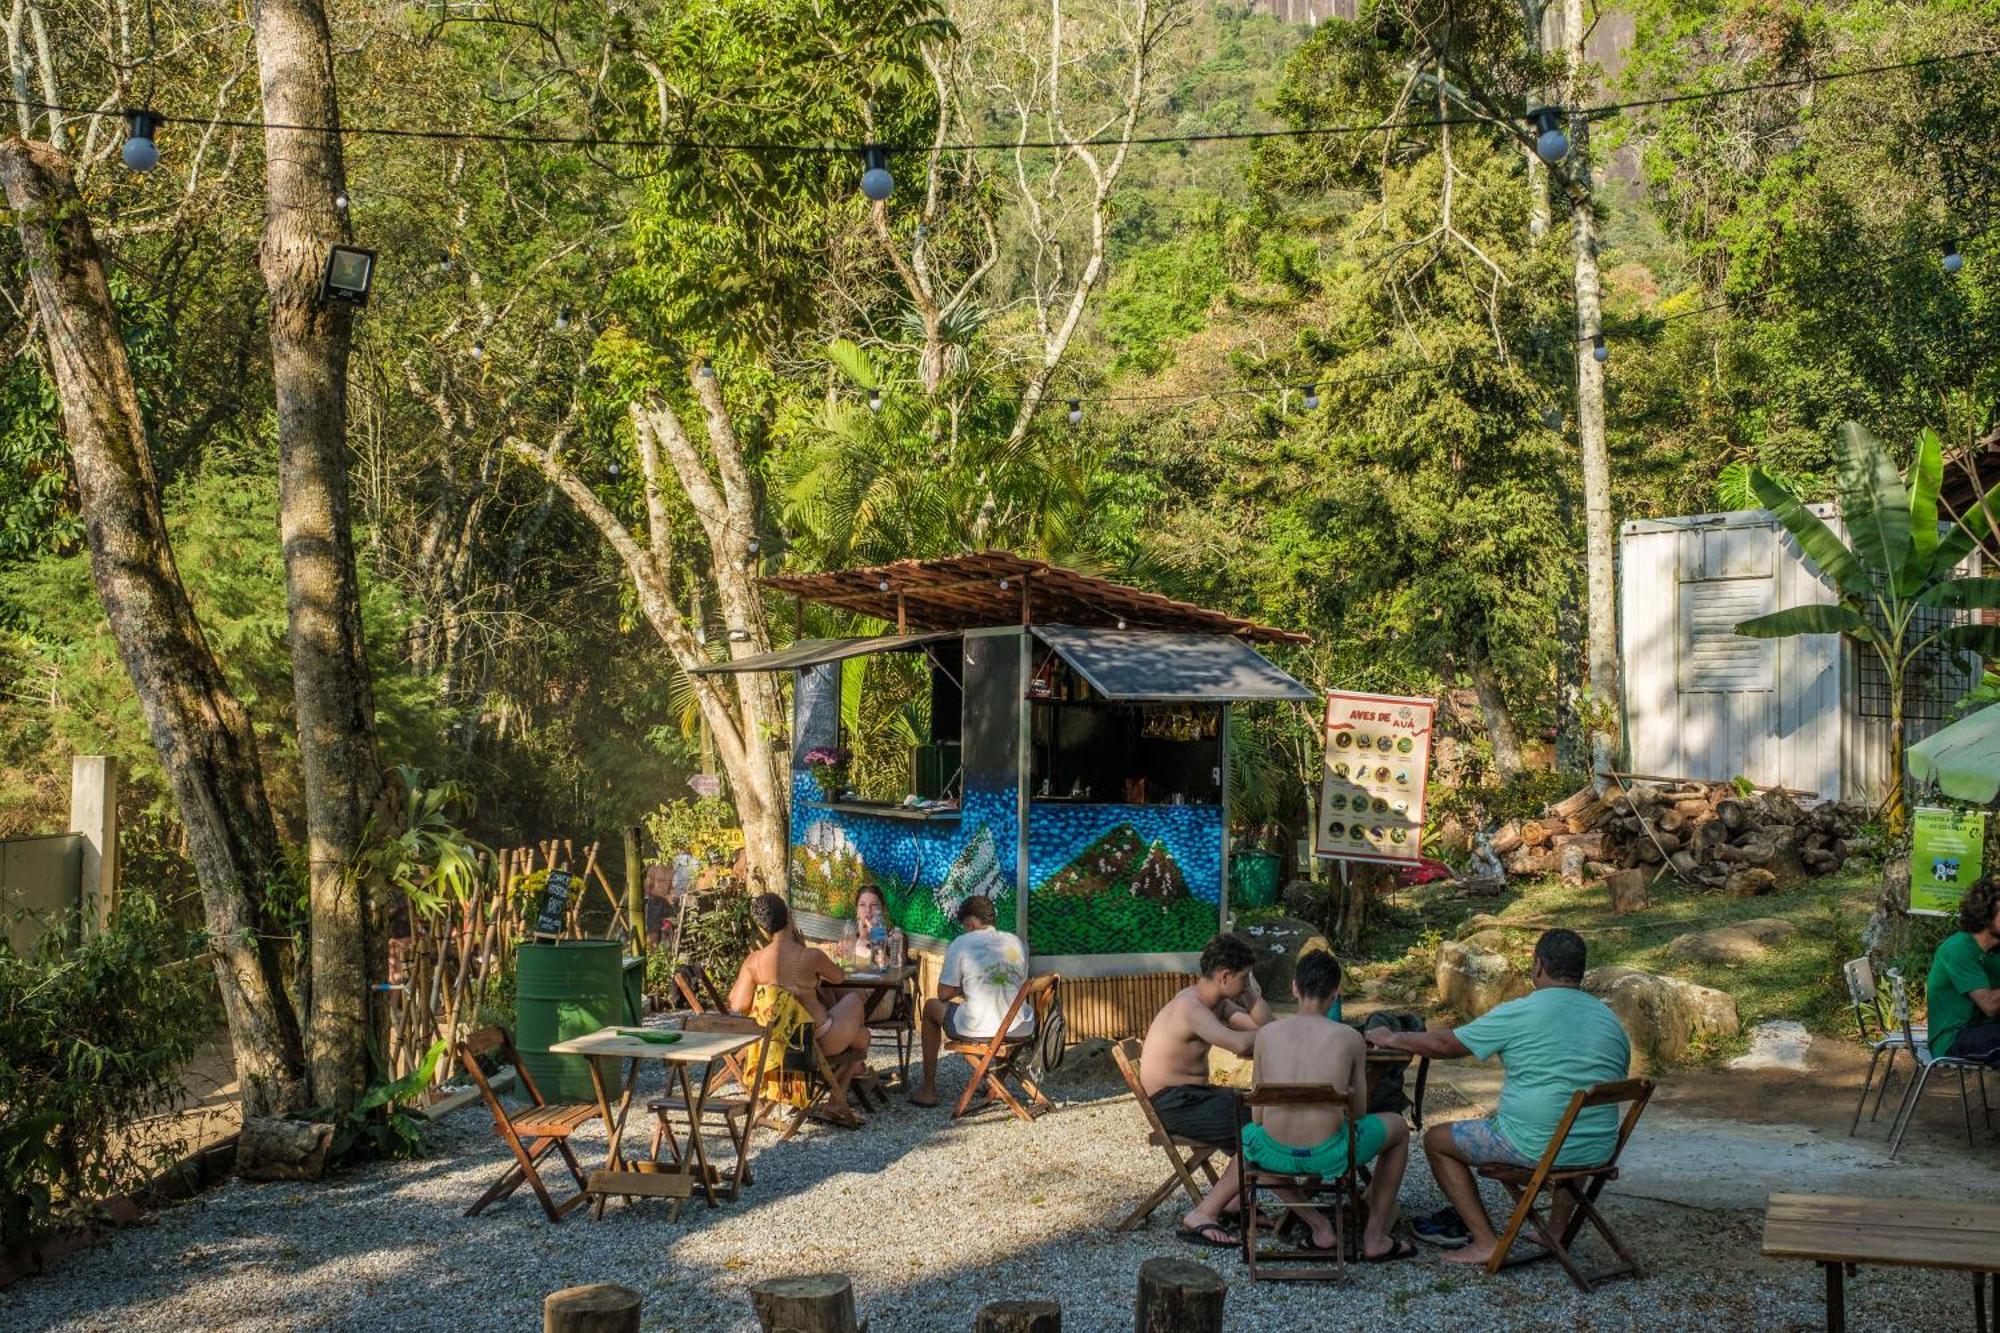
[{"x": 554, "y": 911}]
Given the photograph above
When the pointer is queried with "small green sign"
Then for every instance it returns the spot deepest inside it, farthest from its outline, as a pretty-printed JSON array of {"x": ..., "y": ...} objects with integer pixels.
[{"x": 1945, "y": 851}]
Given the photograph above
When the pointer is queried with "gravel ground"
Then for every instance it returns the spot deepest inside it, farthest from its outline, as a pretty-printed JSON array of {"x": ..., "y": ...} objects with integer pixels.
[{"x": 929, "y": 1218}]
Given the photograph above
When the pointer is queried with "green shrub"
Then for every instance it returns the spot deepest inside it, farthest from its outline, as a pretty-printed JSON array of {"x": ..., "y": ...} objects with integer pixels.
[
  {"x": 1523, "y": 796},
  {"x": 92, "y": 1039},
  {"x": 716, "y": 932}
]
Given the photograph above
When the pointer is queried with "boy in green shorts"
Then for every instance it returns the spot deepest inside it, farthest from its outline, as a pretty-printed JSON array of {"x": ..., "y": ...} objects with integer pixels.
[{"x": 1309, "y": 1047}]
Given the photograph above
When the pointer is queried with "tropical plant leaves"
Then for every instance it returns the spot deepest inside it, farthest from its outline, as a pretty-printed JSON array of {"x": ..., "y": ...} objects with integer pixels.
[
  {"x": 1981, "y": 639},
  {"x": 853, "y": 362},
  {"x": 1874, "y": 503},
  {"x": 1823, "y": 618},
  {"x": 1814, "y": 537},
  {"x": 1963, "y": 595},
  {"x": 1926, "y": 479}
]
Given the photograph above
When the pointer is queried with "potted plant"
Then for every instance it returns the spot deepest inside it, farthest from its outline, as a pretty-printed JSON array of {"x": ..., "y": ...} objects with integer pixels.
[{"x": 828, "y": 765}]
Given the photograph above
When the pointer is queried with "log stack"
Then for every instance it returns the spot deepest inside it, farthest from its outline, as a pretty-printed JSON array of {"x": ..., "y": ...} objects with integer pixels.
[{"x": 1705, "y": 833}]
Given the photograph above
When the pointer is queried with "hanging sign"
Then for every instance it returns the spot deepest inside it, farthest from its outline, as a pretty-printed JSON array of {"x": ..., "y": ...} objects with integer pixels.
[
  {"x": 1946, "y": 847},
  {"x": 1375, "y": 778},
  {"x": 706, "y": 785},
  {"x": 553, "y": 913}
]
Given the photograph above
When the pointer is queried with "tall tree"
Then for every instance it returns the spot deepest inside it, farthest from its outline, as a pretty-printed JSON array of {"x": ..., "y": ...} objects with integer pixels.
[
  {"x": 305, "y": 188},
  {"x": 199, "y": 727}
]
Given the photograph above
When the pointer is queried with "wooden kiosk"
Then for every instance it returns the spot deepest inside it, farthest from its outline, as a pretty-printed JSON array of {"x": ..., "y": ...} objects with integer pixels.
[{"x": 1076, "y": 769}]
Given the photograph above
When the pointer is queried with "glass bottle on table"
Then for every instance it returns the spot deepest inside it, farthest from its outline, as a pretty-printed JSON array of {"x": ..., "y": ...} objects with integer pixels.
[{"x": 850, "y": 940}]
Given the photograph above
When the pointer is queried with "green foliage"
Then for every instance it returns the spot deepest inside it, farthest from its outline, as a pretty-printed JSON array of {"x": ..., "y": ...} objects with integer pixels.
[
  {"x": 704, "y": 827},
  {"x": 428, "y": 859},
  {"x": 715, "y": 932},
  {"x": 384, "y": 1124},
  {"x": 1523, "y": 796},
  {"x": 93, "y": 1035},
  {"x": 1115, "y": 922}
]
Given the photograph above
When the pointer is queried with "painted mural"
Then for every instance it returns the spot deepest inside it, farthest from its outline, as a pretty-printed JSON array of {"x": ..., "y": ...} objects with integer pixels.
[{"x": 1123, "y": 878}]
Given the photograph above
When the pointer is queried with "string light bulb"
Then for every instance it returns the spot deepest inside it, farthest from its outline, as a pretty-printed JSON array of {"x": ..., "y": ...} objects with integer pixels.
[
  {"x": 1599, "y": 352},
  {"x": 881, "y": 585},
  {"x": 1312, "y": 397},
  {"x": 739, "y": 636},
  {"x": 874, "y": 400},
  {"x": 754, "y": 546},
  {"x": 562, "y": 319},
  {"x": 140, "y": 152},
  {"x": 1075, "y": 411},
  {"x": 707, "y": 371},
  {"x": 340, "y": 201},
  {"x": 1551, "y": 144},
  {"x": 1003, "y": 585},
  {"x": 1121, "y": 622},
  {"x": 1953, "y": 260},
  {"x": 876, "y": 182},
  {"x": 614, "y": 467},
  {"x": 478, "y": 351}
]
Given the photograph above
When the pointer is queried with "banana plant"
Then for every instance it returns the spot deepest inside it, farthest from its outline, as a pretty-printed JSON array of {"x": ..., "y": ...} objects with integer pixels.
[{"x": 1894, "y": 563}]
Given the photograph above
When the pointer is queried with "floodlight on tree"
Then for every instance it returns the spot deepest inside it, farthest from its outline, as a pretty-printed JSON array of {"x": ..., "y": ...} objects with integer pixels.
[
  {"x": 141, "y": 153},
  {"x": 349, "y": 273}
]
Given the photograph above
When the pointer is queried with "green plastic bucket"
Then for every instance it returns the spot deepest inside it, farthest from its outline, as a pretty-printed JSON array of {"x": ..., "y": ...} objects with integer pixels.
[
  {"x": 566, "y": 989},
  {"x": 1253, "y": 878}
]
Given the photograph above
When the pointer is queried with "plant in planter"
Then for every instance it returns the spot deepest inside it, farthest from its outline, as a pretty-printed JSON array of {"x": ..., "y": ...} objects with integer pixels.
[{"x": 828, "y": 766}]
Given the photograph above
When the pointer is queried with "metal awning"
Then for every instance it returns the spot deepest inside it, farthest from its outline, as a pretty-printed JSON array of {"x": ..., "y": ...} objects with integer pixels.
[
  {"x": 1156, "y": 666},
  {"x": 818, "y": 652}
]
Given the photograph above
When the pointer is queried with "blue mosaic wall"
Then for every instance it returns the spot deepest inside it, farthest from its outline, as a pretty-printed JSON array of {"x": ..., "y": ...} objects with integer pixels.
[{"x": 1192, "y": 835}]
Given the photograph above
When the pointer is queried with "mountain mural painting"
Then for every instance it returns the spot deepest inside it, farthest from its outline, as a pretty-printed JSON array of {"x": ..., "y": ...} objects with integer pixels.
[{"x": 1120, "y": 894}]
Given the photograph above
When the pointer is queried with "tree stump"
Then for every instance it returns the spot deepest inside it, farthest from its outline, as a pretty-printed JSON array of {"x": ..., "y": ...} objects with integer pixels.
[
  {"x": 1019, "y": 1317},
  {"x": 272, "y": 1149},
  {"x": 601, "y": 1307},
  {"x": 1179, "y": 1296},
  {"x": 817, "y": 1303}
]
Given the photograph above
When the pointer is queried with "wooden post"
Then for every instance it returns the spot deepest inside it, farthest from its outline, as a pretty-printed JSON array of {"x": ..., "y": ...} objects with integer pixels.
[
  {"x": 635, "y": 890},
  {"x": 1019, "y": 1317},
  {"x": 819, "y": 1303},
  {"x": 1179, "y": 1296},
  {"x": 93, "y": 812},
  {"x": 601, "y": 1307}
]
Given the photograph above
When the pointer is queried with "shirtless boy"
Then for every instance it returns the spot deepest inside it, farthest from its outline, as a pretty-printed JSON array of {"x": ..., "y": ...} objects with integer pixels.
[
  {"x": 788, "y": 963},
  {"x": 1309, "y": 1047},
  {"x": 1222, "y": 1008}
]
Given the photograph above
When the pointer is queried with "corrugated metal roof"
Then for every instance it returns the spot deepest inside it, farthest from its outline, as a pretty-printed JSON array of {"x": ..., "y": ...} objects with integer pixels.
[
  {"x": 1154, "y": 666},
  {"x": 818, "y": 652},
  {"x": 967, "y": 592}
]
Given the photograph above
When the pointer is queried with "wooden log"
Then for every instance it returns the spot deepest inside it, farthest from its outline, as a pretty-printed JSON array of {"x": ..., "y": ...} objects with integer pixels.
[
  {"x": 1179, "y": 1296},
  {"x": 1592, "y": 844},
  {"x": 1536, "y": 834},
  {"x": 816, "y": 1303},
  {"x": 273, "y": 1149},
  {"x": 1629, "y": 890},
  {"x": 1019, "y": 1317},
  {"x": 1507, "y": 839},
  {"x": 1571, "y": 861},
  {"x": 1569, "y": 807},
  {"x": 1694, "y": 807},
  {"x": 1709, "y": 836},
  {"x": 601, "y": 1307},
  {"x": 1670, "y": 820},
  {"x": 1734, "y": 814},
  {"x": 1587, "y": 818}
]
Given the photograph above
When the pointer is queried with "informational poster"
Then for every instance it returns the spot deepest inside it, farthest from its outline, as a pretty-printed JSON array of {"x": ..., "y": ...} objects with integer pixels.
[
  {"x": 1946, "y": 847},
  {"x": 1377, "y": 774}
]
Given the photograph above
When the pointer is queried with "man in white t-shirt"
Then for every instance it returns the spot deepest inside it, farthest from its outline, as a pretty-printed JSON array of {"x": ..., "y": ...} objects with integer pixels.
[{"x": 984, "y": 969}]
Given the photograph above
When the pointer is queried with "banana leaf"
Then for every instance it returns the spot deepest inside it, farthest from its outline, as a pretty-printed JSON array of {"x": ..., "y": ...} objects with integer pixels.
[
  {"x": 1821, "y": 618},
  {"x": 1963, "y": 595},
  {"x": 1815, "y": 538},
  {"x": 1981, "y": 639},
  {"x": 1874, "y": 503},
  {"x": 1926, "y": 477},
  {"x": 1958, "y": 543}
]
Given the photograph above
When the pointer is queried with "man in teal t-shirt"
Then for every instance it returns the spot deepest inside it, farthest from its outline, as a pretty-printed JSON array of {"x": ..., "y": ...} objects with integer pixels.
[
  {"x": 1964, "y": 984},
  {"x": 1552, "y": 1043}
]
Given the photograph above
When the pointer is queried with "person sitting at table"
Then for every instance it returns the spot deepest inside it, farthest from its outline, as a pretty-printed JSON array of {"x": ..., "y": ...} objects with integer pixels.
[
  {"x": 787, "y": 964},
  {"x": 1310, "y": 1047},
  {"x": 1964, "y": 983},
  {"x": 1223, "y": 1007},
  {"x": 983, "y": 970},
  {"x": 1552, "y": 1043},
  {"x": 874, "y": 935}
]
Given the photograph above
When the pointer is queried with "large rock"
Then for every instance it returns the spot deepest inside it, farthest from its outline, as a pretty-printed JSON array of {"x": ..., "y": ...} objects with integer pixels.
[
  {"x": 1478, "y": 922},
  {"x": 1472, "y": 979},
  {"x": 1277, "y": 945},
  {"x": 1664, "y": 1016},
  {"x": 1744, "y": 942}
]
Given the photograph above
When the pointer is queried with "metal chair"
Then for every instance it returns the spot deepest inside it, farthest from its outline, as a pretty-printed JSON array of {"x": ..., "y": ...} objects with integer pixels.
[
  {"x": 1864, "y": 992},
  {"x": 1928, "y": 1064}
]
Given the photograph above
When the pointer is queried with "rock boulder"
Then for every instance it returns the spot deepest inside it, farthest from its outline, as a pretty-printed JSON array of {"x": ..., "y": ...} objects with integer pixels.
[
  {"x": 1744, "y": 942},
  {"x": 1472, "y": 979},
  {"x": 1664, "y": 1016},
  {"x": 1277, "y": 945}
]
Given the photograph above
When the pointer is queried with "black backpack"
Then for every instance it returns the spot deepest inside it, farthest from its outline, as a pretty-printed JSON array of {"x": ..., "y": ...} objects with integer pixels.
[
  {"x": 1051, "y": 1040},
  {"x": 1388, "y": 1097}
]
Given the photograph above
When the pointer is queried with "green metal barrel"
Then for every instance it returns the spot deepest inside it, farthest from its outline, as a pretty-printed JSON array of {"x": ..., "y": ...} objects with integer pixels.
[
  {"x": 1253, "y": 880},
  {"x": 562, "y": 990}
]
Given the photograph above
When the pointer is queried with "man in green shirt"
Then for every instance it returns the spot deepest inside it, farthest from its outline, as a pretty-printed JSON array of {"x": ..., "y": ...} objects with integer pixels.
[
  {"x": 1552, "y": 1043},
  {"x": 1964, "y": 984}
]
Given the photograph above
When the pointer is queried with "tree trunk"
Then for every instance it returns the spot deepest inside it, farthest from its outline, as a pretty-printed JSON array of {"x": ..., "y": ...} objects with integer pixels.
[
  {"x": 822, "y": 1303},
  {"x": 309, "y": 344},
  {"x": 1894, "y": 814},
  {"x": 602, "y": 1307},
  {"x": 1019, "y": 1317},
  {"x": 1599, "y": 554},
  {"x": 200, "y": 729},
  {"x": 1500, "y": 727},
  {"x": 1179, "y": 1296}
]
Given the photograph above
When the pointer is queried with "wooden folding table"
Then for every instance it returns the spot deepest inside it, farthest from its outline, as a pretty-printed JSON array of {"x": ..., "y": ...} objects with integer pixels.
[
  {"x": 1840, "y": 1232},
  {"x": 690, "y": 1171}
]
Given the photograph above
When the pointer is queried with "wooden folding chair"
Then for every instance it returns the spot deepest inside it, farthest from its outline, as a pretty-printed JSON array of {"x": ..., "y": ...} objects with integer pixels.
[
  {"x": 531, "y": 1133},
  {"x": 698, "y": 990},
  {"x": 997, "y": 1058},
  {"x": 1579, "y": 1185},
  {"x": 827, "y": 1080},
  {"x": 738, "y": 1115},
  {"x": 1199, "y": 1156},
  {"x": 1343, "y": 1192}
]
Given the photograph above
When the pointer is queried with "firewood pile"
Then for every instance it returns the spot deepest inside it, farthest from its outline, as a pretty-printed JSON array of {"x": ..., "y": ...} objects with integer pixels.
[{"x": 1706, "y": 833}]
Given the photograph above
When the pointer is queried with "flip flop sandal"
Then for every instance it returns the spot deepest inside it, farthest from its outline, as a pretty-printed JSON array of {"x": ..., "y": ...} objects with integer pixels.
[
  {"x": 1399, "y": 1250},
  {"x": 1205, "y": 1236}
]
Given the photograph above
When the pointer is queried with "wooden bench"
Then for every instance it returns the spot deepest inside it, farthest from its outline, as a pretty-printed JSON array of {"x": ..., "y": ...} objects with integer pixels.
[{"x": 1839, "y": 1232}]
